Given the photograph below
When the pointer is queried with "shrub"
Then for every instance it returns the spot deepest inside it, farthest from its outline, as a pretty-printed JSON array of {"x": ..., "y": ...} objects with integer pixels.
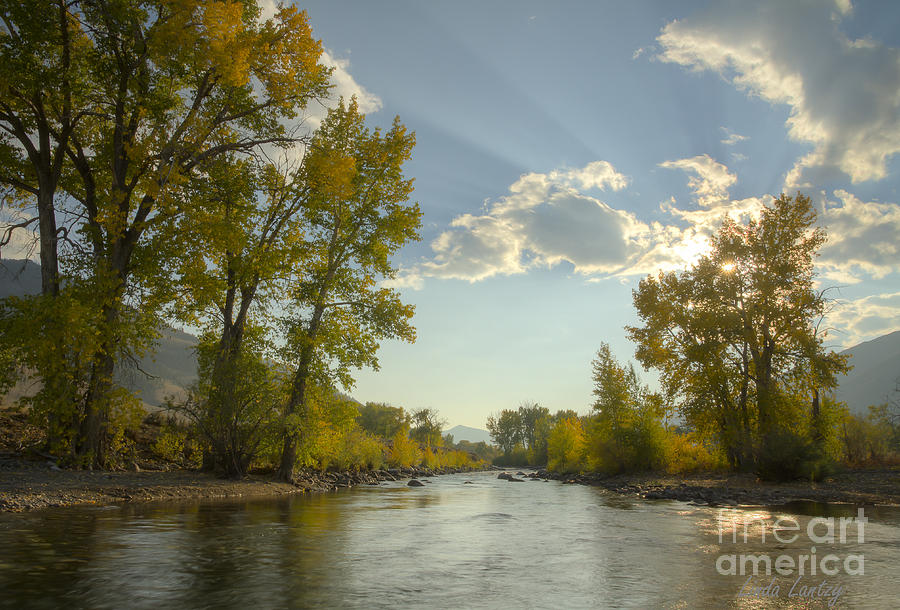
[
  {"x": 518, "y": 456},
  {"x": 788, "y": 455},
  {"x": 684, "y": 453},
  {"x": 403, "y": 452}
]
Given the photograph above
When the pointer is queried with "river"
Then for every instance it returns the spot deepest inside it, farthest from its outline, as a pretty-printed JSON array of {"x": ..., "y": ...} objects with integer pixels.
[{"x": 461, "y": 541}]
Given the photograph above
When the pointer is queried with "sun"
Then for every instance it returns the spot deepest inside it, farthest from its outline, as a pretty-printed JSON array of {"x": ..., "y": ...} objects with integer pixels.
[{"x": 728, "y": 267}]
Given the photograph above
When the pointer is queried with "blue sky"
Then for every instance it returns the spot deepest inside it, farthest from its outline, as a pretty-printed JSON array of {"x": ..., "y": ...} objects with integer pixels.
[{"x": 567, "y": 149}]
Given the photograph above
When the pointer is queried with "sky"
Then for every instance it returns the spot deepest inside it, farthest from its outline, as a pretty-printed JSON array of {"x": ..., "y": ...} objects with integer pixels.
[{"x": 567, "y": 149}]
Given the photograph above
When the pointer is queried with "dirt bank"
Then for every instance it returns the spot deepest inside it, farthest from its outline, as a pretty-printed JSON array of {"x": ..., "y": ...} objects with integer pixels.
[{"x": 28, "y": 485}]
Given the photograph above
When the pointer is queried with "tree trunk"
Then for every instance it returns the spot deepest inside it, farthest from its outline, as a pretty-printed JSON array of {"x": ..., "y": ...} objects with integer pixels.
[
  {"x": 91, "y": 445},
  {"x": 296, "y": 404},
  {"x": 48, "y": 240}
]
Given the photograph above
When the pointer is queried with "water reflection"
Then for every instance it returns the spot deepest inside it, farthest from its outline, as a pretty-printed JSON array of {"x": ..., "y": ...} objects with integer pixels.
[{"x": 488, "y": 544}]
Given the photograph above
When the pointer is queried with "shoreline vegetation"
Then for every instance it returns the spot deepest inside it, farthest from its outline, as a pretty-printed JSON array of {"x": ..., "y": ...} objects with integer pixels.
[
  {"x": 27, "y": 485},
  {"x": 875, "y": 486}
]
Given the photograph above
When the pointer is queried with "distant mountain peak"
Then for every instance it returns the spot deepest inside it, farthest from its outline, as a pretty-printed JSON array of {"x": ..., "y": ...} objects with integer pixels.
[
  {"x": 873, "y": 379},
  {"x": 467, "y": 433}
]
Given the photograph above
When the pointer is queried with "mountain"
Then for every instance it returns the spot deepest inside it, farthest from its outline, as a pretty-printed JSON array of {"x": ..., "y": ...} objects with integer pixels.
[
  {"x": 473, "y": 435},
  {"x": 167, "y": 370},
  {"x": 875, "y": 374},
  {"x": 19, "y": 277}
]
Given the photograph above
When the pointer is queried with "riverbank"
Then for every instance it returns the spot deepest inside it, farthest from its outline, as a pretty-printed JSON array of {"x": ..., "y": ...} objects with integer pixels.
[
  {"x": 29, "y": 485},
  {"x": 868, "y": 486}
]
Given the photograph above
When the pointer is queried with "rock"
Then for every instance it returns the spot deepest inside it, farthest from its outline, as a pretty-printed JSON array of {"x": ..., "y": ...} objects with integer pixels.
[
  {"x": 468, "y": 483},
  {"x": 512, "y": 479},
  {"x": 415, "y": 483},
  {"x": 504, "y": 475}
]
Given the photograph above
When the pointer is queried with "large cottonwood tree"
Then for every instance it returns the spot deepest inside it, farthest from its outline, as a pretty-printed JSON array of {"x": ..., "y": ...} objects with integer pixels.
[
  {"x": 164, "y": 87},
  {"x": 736, "y": 337},
  {"x": 356, "y": 216}
]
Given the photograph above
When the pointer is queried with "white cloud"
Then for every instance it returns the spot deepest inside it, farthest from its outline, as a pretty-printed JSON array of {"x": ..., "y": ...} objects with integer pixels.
[
  {"x": 23, "y": 243},
  {"x": 545, "y": 220},
  {"x": 345, "y": 85},
  {"x": 710, "y": 179},
  {"x": 267, "y": 9},
  {"x": 862, "y": 237},
  {"x": 597, "y": 174},
  {"x": 842, "y": 93},
  {"x": 731, "y": 138},
  {"x": 865, "y": 318},
  {"x": 406, "y": 278}
]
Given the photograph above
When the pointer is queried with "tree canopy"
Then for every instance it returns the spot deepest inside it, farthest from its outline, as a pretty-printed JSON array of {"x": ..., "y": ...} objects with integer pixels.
[{"x": 737, "y": 337}]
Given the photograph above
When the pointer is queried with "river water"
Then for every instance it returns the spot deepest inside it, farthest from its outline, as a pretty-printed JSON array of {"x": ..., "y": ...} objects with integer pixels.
[{"x": 462, "y": 541}]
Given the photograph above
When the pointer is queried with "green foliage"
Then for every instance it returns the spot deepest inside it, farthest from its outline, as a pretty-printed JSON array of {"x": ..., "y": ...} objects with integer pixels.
[
  {"x": 403, "y": 452},
  {"x": 685, "y": 453},
  {"x": 426, "y": 427},
  {"x": 794, "y": 456},
  {"x": 352, "y": 449},
  {"x": 737, "y": 333},
  {"x": 176, "y": 443},
  {"x": 113, "y": 110},
  {"x": 870, "y": 440},
  {"x": 481, "y": 450},
  {"x": 354, "y": 218},
  {"x": 626, "y": 433},
  {"x": 236, "y": 404},
  {"x": 566, "y": 446},
  {"x": 518, "y": 456},
  {"x": 383, "y": 420},
  {"x": 505, "y": 429}
]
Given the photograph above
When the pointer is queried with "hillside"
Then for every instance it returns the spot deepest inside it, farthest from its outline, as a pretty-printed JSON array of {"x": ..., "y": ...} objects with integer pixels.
[
  {"x": 876, "y": 369},
  {"x": 19, "y": 277},
  {"x": 466, "y": 433},
  {"x": 165, "y": 371}
]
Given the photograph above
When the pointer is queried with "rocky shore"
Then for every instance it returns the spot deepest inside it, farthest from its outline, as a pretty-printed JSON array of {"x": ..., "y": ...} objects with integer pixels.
[
  {"x": 29, "y": 485},
  {"x": 871, "y": 486}
]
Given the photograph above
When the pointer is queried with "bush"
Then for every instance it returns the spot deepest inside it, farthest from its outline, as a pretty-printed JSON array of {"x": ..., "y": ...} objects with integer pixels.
[
  {"x": 864, "y": 440},
  {"x": 787, "y": 456},
  {"x": 684, "y": 453},
  {"x": 403, "y": 452},
  {"x": 517, "y": 457},
  {"x": 354, "y": 450},
  {"x": 632, "y": 446}
]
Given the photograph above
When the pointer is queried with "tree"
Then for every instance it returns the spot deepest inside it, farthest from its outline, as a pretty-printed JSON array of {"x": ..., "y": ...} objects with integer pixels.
[
  {"x": 506, "y": 429},
  {"x": 530, "y": 414},
  {"x": 736, "y": 337},
  {"x": 43, "y": 65},
  {"x": 383, "y": 420},
  {"x": 169, "y": 87},
  {"x": 355, "y": 218},
  {"x": 566, "y": 446},
  {"x": 426, "y": 427},
  {"x": 627, "y": 432},
  {"x": 236, "y": 259}
]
